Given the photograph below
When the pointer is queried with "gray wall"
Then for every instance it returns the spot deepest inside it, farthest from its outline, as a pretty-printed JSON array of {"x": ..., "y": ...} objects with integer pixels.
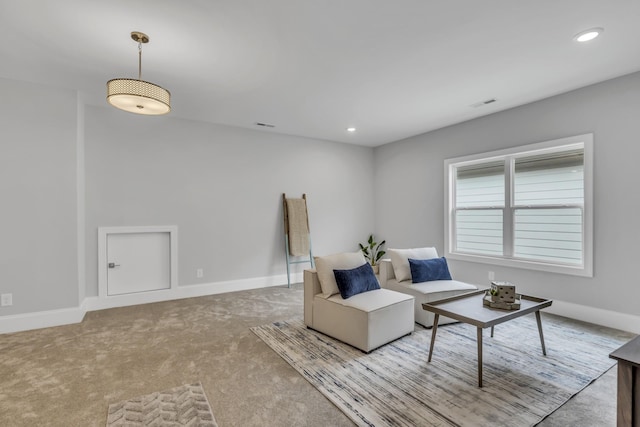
[
  {"x": 222, "y": 187},
  {"x": 410, "y": 188},
  {"x": 38, "y": 181}
]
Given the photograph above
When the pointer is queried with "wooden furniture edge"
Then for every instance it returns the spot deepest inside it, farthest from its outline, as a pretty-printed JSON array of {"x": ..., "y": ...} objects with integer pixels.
[
  {"x": 507, "y": 314},
  {"x": 473, "y": 293}
]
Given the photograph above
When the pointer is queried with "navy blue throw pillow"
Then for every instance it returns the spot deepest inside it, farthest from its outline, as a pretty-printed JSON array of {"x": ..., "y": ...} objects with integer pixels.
[
  {"x": 426, "y": 270},
  {"x": 356, "y": 281}
]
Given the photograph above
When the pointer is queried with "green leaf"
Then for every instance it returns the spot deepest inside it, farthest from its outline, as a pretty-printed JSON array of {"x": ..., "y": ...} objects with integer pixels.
[{"x": 372, "y": 251}]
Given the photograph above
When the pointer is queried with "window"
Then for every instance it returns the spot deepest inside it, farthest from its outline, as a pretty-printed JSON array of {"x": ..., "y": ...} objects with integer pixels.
[{"x": 527, "y": 207}]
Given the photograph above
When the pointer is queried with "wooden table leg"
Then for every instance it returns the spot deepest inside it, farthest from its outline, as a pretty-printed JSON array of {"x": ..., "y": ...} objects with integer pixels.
[
  {"x": 479, "y": 357},
  {"x": 625, "y": 395},
  {"x": 492, "y": 332},
  {"x": 539, "y": 320},
  {"x": 433, "y": 335}
]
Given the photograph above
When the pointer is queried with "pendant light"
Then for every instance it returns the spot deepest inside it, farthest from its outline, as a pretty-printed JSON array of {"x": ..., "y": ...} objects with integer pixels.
[{"x": 136, "y": 95}]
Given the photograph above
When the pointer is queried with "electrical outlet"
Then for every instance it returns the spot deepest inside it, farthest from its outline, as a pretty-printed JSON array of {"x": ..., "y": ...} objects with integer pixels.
[
  {"x": 6, "y": 299},
  {"x": 492, "y": 276},
  {"x": 199, "y": 273}
]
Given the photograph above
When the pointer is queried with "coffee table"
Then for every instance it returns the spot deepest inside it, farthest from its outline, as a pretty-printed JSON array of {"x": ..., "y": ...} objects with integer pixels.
[{"x": 468, "y": 308}]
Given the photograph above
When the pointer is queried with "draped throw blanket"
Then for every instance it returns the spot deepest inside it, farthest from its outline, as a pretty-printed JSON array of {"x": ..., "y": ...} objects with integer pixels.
[{"x": 298, "y": 227}]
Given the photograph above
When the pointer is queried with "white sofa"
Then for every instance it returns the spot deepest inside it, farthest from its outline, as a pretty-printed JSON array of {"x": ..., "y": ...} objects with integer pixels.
[
  {"x": 422, "y": 292},
  {"x": 366, "y": 321}
]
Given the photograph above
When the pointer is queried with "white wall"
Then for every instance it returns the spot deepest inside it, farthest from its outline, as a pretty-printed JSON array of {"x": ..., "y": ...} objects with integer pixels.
[
  {"x": 410, "y": 188},
  {"x": 38, "y": 256},
  {"x": 222, "y": 187}
]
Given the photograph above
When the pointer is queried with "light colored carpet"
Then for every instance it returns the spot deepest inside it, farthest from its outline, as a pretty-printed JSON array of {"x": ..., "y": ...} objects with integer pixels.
[
  {"x": 186, "y": 405},
  {"x": 67, "y": 376},
  {"x": 395, "y": 386}
]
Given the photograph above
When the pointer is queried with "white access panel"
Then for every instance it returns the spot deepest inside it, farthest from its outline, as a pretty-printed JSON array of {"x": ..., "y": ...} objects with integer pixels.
[
  {"x": 138, "y": 262},
  {"x": 133, "y": 260}
]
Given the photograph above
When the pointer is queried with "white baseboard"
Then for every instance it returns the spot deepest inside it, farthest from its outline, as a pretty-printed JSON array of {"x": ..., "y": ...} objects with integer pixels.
[
  {"x": 599, "y": 316},
  {"x": 40, "y": 319},
  {"x": 188, "y": 291},
  {"x": 46, "y": 319}
]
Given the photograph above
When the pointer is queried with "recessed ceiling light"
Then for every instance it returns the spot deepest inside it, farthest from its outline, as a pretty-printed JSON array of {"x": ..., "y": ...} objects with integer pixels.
[
  {"x": 351, "y": 129},
  {"x": 588, "y": 35}
]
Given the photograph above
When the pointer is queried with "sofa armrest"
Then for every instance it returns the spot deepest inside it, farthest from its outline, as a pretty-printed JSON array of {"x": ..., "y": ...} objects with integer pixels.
[
  {"x": 385, "y": 271},
  {"x": 311, "y": 289}
]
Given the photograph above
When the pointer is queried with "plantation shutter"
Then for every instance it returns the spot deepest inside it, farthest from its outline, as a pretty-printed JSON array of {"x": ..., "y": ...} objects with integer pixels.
[
  {"x": 548, "y": 207},
  {"x": 479, "y": 208}
]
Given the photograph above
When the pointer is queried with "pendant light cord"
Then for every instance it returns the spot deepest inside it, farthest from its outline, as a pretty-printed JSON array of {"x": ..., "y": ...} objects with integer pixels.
[{"x": 139, "y": 60}]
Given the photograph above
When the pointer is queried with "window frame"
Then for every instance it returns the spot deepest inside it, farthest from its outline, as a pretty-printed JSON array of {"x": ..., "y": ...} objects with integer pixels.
[{"x": 585, "y": 269}]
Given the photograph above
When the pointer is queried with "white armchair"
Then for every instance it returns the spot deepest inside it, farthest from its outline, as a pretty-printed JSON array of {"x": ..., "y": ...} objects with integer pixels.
[
  {"x": 422, "y": 292},
  {"x": 366, "y": 320}
]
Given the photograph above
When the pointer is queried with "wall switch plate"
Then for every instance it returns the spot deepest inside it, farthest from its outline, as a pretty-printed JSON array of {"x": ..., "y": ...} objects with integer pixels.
[
  {"x": 492, "y": 275},
  {"x": 199, "y": 273},
  {"x": 6, "y": 299}
]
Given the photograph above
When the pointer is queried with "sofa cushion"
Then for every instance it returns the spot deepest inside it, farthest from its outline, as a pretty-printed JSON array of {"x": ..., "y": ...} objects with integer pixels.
[
  {"x": 326, "y": 264},
  {"x": 400, "y": 260},
  {"x": 428, "y": 270},
  {"x": 436, "y": 286},
  {"x": 367, "y": 320},
  {"x": 370, "y": 301},
  {"x": 356, "y": 280},
  {"x": 427, "y": 292}
]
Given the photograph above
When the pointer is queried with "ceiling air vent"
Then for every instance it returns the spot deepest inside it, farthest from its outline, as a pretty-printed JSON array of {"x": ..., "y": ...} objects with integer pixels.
[{"x": 483, "y": 103}]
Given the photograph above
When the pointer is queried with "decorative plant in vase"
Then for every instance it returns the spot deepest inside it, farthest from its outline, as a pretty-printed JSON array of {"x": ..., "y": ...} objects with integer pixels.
[
  {"x": 372, "y": 251},
  {"x": 493, "y": 291}
]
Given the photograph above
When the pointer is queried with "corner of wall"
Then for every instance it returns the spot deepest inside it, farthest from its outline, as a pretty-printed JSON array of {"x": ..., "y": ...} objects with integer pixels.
[{"x": 80, "y": 197}]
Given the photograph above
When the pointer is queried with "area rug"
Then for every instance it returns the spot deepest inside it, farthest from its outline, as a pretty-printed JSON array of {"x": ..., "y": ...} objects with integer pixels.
[
  {"x": 186, "y": 405},
  {"x": 395, "y": 386}
]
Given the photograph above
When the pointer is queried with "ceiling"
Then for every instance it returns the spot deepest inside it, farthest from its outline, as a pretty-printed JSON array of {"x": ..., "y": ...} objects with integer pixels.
[{"x": 312, "y": 68}]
